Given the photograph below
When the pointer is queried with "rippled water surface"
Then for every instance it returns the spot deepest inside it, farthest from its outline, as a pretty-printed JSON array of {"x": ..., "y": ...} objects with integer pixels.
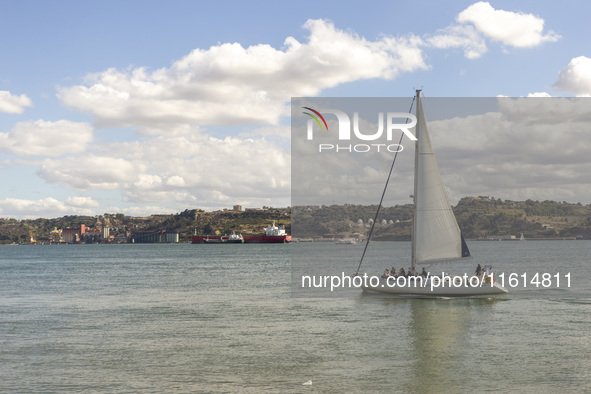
[{"x": 211, "y": 318}]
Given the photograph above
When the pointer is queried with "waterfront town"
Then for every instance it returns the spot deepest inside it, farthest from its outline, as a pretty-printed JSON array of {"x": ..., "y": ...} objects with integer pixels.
[
  {"x": 159, "y": 228},
  {"x": 83, "y": 234},
  {"x": 480, "y": 218}
]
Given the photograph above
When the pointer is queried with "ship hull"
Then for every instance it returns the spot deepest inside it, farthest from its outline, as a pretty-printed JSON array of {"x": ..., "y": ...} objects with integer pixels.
[
  {"x": 248, "y": 239},
  {"x": 267, "y": 239},
  {"x": 222, "y": 241}
]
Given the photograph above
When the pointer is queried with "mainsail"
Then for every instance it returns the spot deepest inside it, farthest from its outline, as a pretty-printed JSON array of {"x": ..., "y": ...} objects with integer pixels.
[{"x": 436, "y": 235}]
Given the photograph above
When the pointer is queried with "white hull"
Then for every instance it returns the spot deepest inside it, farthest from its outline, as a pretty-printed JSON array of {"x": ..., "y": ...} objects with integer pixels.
[{"x": 449, "y": 290}]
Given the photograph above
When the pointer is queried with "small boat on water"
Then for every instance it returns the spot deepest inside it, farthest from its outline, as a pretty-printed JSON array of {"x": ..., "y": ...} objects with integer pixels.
[
  {"x": 231, "y": 239},
  {"x": 436, "y": 236},
  {"x": 346, "y": 241},
  {"x": 273, "y": 235}
]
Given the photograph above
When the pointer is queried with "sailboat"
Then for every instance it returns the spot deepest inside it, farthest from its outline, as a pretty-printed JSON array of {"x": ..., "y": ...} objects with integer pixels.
[{"x": 436, "y": 236}]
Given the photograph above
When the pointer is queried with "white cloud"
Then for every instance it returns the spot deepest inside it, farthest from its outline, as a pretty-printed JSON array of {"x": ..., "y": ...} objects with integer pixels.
[
  {"x": 148, "y": 182},
  {"x": 515, "y": 29},
  {"x": 13, "y": 104},
  {"x": 460, "y": 36},
  {"x": 182, "y": 167},
  {"x": 480, "y": 21},
  {"x": 200, "y": 169},
  {"x": 539, "y": 94},
  {"x": 89, "y": 172},
  {"x": 175, "y": 181},
  {"x": 82, "y": 202},
  {"x": 47, "y": 207},
  {"x": 41, "y": 138},
  {"x": 228, "y": 84},
  {"x": 575, "y": 77},
  {"x": 141, "y": 211}
]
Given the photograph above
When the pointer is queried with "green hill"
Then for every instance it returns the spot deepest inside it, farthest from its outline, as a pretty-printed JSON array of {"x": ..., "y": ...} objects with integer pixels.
[
  {"x": 186, "y": 223},
  {"x": 478, "y": 217}
]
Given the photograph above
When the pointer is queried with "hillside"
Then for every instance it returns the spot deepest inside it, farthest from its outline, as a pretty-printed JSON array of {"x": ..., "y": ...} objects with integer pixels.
[
  {"x": 186, "y": 223},
  {"x": 478, "y": 217}
]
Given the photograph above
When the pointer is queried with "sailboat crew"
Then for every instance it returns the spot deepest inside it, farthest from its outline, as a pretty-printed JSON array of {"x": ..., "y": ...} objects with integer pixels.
[{"x": 424, "y": 273}]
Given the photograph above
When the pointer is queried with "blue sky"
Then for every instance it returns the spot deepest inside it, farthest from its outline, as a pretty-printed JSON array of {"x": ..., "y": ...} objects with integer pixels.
[{"x": 147, "y": 107}]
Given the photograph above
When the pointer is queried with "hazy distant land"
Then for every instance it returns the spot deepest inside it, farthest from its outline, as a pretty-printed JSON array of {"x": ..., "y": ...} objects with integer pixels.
[{"x": 478, "y": 217}]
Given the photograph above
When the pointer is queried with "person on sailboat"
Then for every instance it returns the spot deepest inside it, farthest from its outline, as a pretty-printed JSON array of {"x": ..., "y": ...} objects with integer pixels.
[
  {"x": 485, "y": 274},
  {"x": 386, "y": 273},
  {"x": 424, "y": 273},
  {"x": 478, "y": 270},
  {"x": 401, "y": 273}
]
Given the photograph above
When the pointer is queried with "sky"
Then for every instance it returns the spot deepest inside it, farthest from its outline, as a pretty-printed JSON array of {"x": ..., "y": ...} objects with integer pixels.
[
  {"x": 514, "y": 148},
  {"x": 146, "y": 107}
]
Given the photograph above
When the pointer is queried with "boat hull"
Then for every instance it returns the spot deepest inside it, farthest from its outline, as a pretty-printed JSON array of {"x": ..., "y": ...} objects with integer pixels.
[
  {"x": 462, "y": 290},
  {"x": 248, "y": 239},
  {"x": 223, "y": 241},
  {"x": 267, "y": 239}
]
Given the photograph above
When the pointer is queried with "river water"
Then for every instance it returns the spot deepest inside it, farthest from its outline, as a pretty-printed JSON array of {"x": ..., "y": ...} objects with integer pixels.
[{"x": 225, "y": 318}]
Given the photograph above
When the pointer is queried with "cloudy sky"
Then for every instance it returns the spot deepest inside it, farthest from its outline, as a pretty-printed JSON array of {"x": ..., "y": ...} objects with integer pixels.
[
  {"x": 513, "y": 148},
  {"x": 145, "y": 107}
]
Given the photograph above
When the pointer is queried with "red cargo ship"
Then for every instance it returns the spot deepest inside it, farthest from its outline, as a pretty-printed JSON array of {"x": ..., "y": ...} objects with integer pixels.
[{"x": 273, "y": 235}]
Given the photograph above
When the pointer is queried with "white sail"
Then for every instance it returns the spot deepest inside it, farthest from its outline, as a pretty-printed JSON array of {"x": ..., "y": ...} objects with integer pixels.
[{"x": 436, "y": 235}]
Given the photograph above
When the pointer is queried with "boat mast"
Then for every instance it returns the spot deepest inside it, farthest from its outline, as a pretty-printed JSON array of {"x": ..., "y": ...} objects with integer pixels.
[{"x": 413, "y": 260}]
